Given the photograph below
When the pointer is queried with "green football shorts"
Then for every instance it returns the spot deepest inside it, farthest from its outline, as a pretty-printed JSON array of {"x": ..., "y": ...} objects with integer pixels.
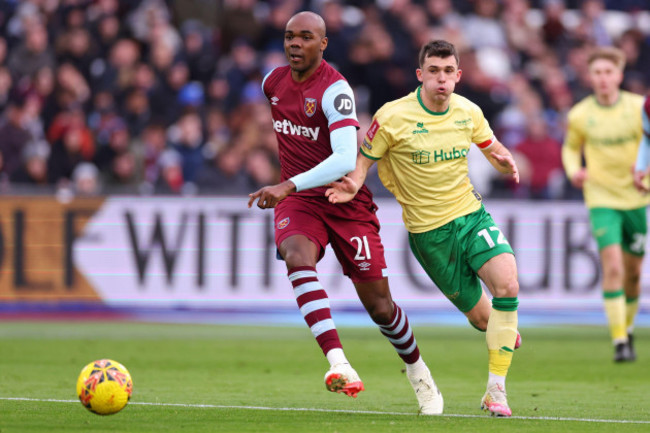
[
  {"x": 452, "y": 255},
  {"x": 622, "y": 227}
]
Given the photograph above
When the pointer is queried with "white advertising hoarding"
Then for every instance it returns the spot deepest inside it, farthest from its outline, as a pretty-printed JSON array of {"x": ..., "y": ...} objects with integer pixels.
[{"x": 215, "y": 252}]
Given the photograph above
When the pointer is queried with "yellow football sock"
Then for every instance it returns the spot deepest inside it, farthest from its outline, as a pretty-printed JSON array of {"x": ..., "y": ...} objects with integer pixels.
[
  {"x": 631, "y": 309},
  {"x": 501, "y": 334},
  {"x": 615, "y": 311}
]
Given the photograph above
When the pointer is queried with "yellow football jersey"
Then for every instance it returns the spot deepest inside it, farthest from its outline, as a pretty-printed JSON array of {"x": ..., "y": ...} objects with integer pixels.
[
  {"x": 609, "y": 136},
  {"x": 422, "y": 157}
]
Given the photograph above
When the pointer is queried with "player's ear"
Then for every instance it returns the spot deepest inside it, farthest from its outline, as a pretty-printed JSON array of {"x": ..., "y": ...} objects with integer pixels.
[
  {"x": 418, "y": 73},
  {"x": 458, "y": 75},
  {"x": 323, "y": 44}
]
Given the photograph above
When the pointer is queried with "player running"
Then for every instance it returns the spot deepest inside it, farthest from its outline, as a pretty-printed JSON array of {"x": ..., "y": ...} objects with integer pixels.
[
  {"x": 606, "y": 129},
  {"x": 315, "y": 122},
  {"x": 420, "y": 143}
]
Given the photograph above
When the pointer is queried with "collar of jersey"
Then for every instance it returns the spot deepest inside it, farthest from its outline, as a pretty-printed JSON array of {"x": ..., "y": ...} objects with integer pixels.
[
  {"x": 620, "y": 96},
  {"x": 312, "y": 77},
  {"x": 435, "y": 113}
]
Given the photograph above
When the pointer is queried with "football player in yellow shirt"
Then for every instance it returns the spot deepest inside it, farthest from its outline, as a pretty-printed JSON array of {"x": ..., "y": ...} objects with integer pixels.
[
  {"x": 606, "y": 129},
  {"x": 420, "y": 143}
]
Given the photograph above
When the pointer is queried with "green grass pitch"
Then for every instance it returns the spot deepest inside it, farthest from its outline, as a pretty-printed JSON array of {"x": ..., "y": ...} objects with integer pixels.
[{"x": 214, "y": 378}]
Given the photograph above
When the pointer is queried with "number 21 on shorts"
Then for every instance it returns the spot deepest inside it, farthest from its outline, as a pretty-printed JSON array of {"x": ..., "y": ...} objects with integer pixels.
[
  {"x": 501, "y": 239},
  {"x": 363, "y": 250}
]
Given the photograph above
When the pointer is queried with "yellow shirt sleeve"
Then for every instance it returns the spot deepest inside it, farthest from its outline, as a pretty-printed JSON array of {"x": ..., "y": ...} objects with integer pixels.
[
  {"x": 482, "y": 131},
  {"x": 377, "y": 140},
  {"x": 572, "y": 147}
]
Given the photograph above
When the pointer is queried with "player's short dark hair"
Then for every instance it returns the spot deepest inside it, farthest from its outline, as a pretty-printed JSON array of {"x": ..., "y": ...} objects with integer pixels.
[{"x": 437, "y": 48}]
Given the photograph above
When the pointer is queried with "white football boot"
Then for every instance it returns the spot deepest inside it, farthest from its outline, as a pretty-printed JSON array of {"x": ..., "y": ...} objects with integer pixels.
[
  {"x": 429, "y": 397},
  {"x": 343, "y": 379}
]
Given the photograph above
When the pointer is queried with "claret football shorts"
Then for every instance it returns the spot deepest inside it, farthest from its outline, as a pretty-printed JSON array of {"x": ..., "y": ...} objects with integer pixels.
[{"x": 352, "y": 229}]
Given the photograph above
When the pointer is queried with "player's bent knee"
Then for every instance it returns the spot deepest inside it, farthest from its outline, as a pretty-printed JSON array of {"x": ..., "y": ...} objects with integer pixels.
[
  {"x": 479, "y": 325},
  {"x": 510, "y": 289},
  {"x": 612, "y": 271},
  {"x": 380, "y": 311},
  {"x": 381, "y": 316},
  {"x": 295, "y": 257}
]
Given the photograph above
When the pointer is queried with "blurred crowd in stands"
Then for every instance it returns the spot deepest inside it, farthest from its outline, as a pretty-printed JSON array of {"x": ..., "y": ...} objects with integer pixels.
[{"x": 163, "y": 97}]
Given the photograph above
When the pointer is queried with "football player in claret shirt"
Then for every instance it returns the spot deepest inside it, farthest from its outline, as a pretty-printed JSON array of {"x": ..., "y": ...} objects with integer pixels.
[
  {"x": 420, "y": 143},
  {"x": 315, "y": 122},
  {"x": 606, "y": 129}
]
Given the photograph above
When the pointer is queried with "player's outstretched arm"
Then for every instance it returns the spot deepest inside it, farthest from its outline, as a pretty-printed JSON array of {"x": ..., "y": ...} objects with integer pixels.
[
  {"x": 501, "y": 159},
  {"x": 344, "y": 190}
]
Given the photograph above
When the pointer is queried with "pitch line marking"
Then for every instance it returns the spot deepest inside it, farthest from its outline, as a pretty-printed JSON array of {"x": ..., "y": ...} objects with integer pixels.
[{"x": 363, "y": 412}]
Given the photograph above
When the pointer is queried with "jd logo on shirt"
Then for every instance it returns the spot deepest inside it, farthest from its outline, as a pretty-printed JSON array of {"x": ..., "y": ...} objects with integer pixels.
[{"x": 343, "y": 104}]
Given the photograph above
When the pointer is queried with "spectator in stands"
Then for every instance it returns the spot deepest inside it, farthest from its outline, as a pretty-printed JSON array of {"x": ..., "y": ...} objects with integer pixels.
[
  {"x": 107, "y": 32},
  {"x": 197, "y": 52},
  {"x": 142, "y": 61},
  {"x": 149, "y": 23},
  {"x": 137, "y": 111},
  {"x": 480, "y": 87},
  {"x": 170, "y": 181},
  {"x": 592, "y": 25},
  {"x": 85, "y": 178},
  {"x": 71, "y": 88},
  {"x": 165, "y": 98},
  {"x": 442, "y": 14},
  {"x": 523, "y": 102},
  {"x": 339, "y": 34},
  {"x": 518, "y": 31},
  {"x": 186, "y": 138},
  {"x": 119, "y": 141},
  {"x": 33, "y": 54},
  {"x": 238, "y": 20},
  {"x": 243, "y": 69},
  {"x": 262, "y": 168},
  {"x": 539, "y": 158},
  {"x": 218, "y": 133},
  {"x": 66, "y": 155},
  {"x": 224, "y": 174},
  {"x": 144, "y": 78},
  {"x": 14, "y": 135},
  {"x": 74, "y": 47},
  {"x": 637, "y": 53},
  {"x": 482, "y": 27},
  {"x": 116, "y": 73},
  {"x": 149, "y": 147},
  {"x": 73, "y": 119},
  {"x": 122, "y": 177},
  {"x": 42, "y": 85},
  {"x": 554, "y": 32},
  {"x": 33, "y": 171}
]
